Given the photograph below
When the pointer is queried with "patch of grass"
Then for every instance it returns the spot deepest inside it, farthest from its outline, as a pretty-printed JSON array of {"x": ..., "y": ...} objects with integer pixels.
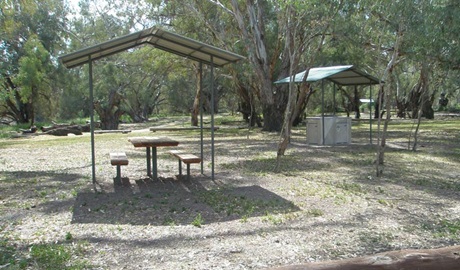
[
  {"x": 231, "y": 166},
  {"x": 42, "y": 193},
  {"x": 169, "y": 221},
  {"x": 244, "y": 218},
  {"x": 340, "y": 199},
  {"x": 74, "y": 192},
  {"x": 198, "y": 221},
  {"x": 384, "y": 202},
  {"x": 377, "y": 238},
  {"x": 223, "y": 201},
  {"x": 265, "y": 163},
  {"x": 50, "y": 256},
  {"x": 275, "y": 220},
  {"x": 58, "y": 256},
  {"x": 380, "y": 190},
  {"x": 315, "y": 212},
  {"x": 9, "y": 256},
  {"x": 450, "y": 226},
  {"x": 444, "y": 228},
  {"x": 351, "y": 187},
  {"x": 338, "y": 192}
]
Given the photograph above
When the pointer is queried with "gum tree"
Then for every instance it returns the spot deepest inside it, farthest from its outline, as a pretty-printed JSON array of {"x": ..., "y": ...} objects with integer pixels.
[{"x": 31, "y": 34}]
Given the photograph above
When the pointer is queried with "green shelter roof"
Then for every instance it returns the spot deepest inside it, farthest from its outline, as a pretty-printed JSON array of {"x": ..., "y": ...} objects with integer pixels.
[
  {"x": 158, "y": 38},
  {"x": 341, "y": 75}
]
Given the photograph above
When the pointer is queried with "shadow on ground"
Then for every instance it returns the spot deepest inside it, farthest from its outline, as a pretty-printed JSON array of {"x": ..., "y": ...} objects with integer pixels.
[{"x": 169, "y": 201}]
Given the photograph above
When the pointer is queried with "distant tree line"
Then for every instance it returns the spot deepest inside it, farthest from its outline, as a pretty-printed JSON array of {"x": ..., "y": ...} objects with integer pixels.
[{"x": 411, "y": 45}]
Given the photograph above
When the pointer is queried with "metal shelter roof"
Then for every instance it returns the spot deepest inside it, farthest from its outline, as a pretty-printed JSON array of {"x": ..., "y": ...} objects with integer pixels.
[
  {"x": 158, "y": 38},
  {"x": 161, "y": 39},
  {"x": 341, "y": 75}
]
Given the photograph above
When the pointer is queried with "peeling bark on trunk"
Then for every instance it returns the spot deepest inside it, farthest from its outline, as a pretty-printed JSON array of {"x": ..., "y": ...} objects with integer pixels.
[{"x": 252, "y": 33}]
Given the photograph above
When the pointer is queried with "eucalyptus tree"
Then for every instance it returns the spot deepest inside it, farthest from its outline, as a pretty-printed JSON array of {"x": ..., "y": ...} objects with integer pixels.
[
  {"x": 405, "y": 37},
  {"x": 258, "y": 24},
  {"x": 128, "y": 82},
  {"x": 148, "y": 71},
  {"x": 255, "y": 29},
  {"x": 96, "y": 24},
  {"x": 448, "y": 49},
  {"x": 305, "y": 35},
  {"x": 32, "y": 34},
  {"x": 208, "y": 22}
]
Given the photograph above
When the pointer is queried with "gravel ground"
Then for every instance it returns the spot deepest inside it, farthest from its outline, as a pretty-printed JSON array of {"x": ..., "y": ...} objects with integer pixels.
[{"x": 324, "y": 204}]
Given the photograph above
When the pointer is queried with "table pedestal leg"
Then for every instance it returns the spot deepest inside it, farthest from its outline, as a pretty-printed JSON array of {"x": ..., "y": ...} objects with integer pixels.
[
  {"x": 154, "y": 163},
  {"x": 149, "y": 168}
]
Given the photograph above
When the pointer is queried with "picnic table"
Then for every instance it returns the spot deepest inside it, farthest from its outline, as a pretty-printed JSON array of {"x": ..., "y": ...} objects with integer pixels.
[{"x": 152, "y": 142}]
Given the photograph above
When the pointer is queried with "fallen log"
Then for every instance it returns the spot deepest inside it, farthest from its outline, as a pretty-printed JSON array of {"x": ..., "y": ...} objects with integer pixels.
[
  {"x": 112, "y": 131},
  {"x": 54, "y": 126},
  {"x": 447, "y": 258},
  {"x": 154, "y": 129},
  {"x": 64, "y": 131},
  {"x": 33, "y": 129},
  {"x": 83, "y": 128}
]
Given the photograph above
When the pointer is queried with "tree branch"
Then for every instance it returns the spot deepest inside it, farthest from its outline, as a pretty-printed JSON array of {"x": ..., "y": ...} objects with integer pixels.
[{"x": 219, "y": 4}]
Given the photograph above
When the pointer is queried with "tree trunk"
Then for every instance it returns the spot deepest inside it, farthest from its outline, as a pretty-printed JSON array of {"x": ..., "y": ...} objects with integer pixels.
[
  {"x": 401, "y": 106},
  {"x": 356, "y": 103},
  {"x": 378, "y": 112},
  {"x": 253, "y": 33},
  {"x": 303, "y": 96},
  {"x": 388, "y": 77},
  {"x": 196, "y": 103},
  {"x": 420, "y": 98},
  {"x": 110, "y": 114},
  {"x": 348, "y": 102},
  {"x": 249, "y": 113},
  {"x": 17, "y": 109},
  {"x": 273, "y": 117},
  {"x": 447, "y": 258},
  {"x": 247, "y": 104},
  {"x": 423, "y": 102}
]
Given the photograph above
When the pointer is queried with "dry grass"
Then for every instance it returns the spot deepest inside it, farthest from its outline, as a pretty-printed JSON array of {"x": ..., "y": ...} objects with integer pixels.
[{"x": 326, "y": 202}]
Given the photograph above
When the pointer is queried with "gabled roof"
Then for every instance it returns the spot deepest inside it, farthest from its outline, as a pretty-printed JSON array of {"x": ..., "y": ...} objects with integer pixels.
[
  {"x": 158, "y": 38},
  {"x": 341, "y": 75}
]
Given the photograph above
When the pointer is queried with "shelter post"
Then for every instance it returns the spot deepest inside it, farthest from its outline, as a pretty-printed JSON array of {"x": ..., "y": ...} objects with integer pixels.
[
  {"x": 370, "y": 114},
  {"x": 201, "y": 114},
  {"x": 212, "y": 117},
  {"x": 322, "y": 112},
  {"x": 333, "y": 99},
  {"x": 91, "y": 98}
]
